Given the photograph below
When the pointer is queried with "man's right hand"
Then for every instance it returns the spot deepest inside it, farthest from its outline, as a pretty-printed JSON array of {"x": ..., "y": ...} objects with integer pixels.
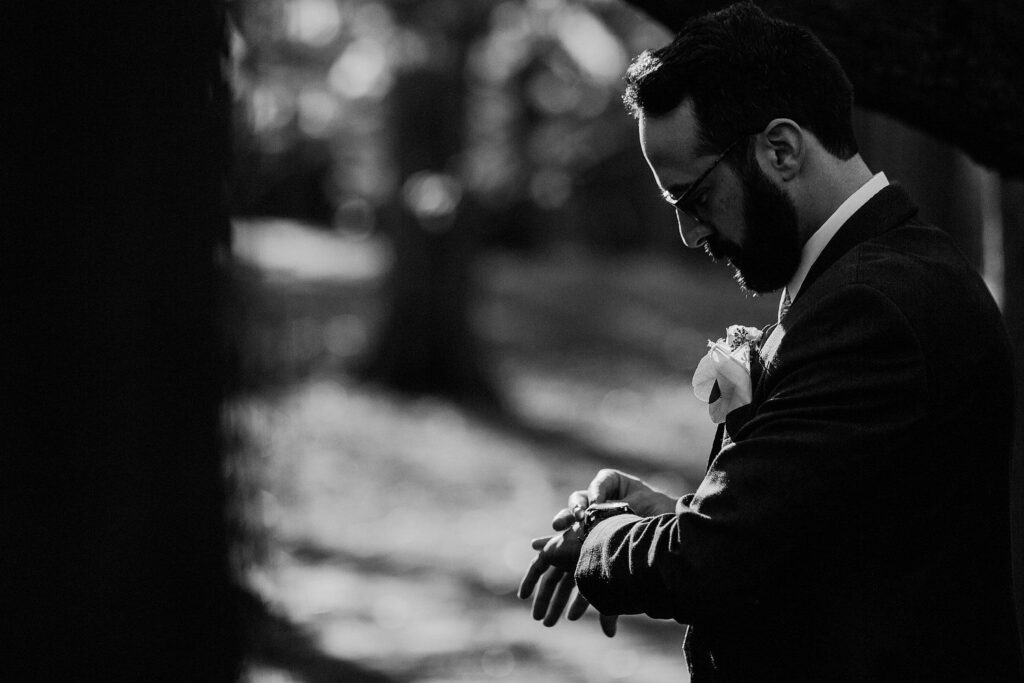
[
  {"x": 553, "y": 568},
  {"x": 645, "y": 500}
]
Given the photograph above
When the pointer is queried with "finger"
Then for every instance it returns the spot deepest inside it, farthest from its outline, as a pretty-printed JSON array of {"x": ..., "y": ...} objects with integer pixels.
[
  {"x": 577, "y": 608},
  {"x": 539, "y": 543},
  {"x": 578, "y": 501},
  {"x": 563, "y": 520},
  {"x": 605, "y": 486},
  {"x": 548, "y": 583},
  {"x": 559, "y": 599},
  {"x": 609, "y": 624},
  {"x": 533, "y": 573}
]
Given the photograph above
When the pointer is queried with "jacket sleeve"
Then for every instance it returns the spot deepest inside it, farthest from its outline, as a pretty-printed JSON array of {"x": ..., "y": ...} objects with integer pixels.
[{"x": 843, "y": 399}]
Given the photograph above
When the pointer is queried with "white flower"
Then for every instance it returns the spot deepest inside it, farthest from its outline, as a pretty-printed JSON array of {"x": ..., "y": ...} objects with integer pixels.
[{"x": 722, "y": 378}]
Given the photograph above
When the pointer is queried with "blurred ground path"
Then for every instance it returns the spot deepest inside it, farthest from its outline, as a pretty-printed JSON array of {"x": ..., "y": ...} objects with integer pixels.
[{"x": 386, "y": 535}]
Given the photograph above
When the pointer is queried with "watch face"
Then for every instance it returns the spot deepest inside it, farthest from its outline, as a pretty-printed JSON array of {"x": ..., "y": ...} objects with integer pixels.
[
  {"x": 617, "y": 506},
  {"x": 599, "y": 511}
]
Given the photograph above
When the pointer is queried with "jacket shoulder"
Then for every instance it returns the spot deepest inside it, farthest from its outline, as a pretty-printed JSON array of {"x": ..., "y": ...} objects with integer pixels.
[
  {"x": 920, "y": 269},
  {"x": 943, "y": 299}
]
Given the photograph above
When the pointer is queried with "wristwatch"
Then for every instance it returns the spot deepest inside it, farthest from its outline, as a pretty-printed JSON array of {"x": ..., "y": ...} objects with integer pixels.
[{"x": 599, "y": 512}]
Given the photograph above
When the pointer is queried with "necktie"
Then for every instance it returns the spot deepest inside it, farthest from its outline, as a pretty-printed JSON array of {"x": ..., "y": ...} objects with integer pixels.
[{"x": 784, "y": 304}]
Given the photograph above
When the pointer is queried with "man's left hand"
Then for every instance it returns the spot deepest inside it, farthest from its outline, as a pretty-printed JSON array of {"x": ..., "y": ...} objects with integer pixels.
[{"x": 644, "y": 499}]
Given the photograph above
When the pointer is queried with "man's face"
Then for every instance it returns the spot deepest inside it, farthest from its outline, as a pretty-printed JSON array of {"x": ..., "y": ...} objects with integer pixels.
[{"x": 741, "y": 216}]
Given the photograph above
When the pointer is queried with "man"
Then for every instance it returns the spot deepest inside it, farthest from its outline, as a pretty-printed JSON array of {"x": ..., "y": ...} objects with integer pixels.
[{"x": 853, "y": 522}]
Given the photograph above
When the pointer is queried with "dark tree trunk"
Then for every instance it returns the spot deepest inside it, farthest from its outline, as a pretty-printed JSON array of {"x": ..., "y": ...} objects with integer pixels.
[
  {"x": 1013, "y": 309},
  {"x": 115, "y": 487},
  {"x": 427, "y": 344}
]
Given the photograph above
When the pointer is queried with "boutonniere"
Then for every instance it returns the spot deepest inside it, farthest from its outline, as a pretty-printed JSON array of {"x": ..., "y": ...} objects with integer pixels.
[{"x": 722, "y": 378}]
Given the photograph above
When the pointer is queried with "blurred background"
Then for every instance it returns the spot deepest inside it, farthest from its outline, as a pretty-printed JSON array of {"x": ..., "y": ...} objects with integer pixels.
[
  {"x": 386, "y": 281},
  {"x": 456, "y": 295}
]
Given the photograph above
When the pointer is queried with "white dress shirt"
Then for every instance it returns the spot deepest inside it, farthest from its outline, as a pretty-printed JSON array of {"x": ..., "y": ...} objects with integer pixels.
[{"x": 822, "y": 236}]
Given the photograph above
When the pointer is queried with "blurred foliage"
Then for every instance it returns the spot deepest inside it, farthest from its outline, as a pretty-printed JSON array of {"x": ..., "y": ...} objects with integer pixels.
[{"x": 547, "y": 150}]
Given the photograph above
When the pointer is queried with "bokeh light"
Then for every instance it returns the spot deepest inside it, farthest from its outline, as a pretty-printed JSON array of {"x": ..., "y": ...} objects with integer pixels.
[
  {"x": 361, "y": 70},
  {"x": 318, "y": 112},
  {"x": 432, "y": 198},
  {"x": 271, "y": 107},
  {"x": 498, "y": 662},
  {"x": 313, "y": 22},
  {"x": 597, "y": 51}
]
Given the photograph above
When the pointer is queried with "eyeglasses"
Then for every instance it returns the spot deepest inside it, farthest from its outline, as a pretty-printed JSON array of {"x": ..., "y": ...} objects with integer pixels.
[{"x": 682, "y": 204}]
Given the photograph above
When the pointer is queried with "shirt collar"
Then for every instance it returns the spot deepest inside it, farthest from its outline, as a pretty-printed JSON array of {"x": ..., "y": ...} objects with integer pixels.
[{"x": 822, "y": 236}]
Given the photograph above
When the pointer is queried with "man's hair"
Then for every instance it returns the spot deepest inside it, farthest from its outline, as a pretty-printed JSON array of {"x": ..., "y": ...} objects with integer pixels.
[{"x": 742, "y": 69}]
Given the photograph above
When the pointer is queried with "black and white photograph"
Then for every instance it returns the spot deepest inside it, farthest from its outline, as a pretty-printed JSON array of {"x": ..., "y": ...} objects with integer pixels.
[{"x": 535, "y": 341}]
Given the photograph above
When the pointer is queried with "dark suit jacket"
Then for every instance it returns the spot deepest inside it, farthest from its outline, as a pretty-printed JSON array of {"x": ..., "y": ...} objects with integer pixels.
[{"x": 855, "y": 524}]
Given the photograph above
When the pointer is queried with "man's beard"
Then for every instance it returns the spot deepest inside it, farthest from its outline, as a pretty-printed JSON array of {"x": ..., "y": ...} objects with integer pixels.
[{"x": 770, "y": 253}]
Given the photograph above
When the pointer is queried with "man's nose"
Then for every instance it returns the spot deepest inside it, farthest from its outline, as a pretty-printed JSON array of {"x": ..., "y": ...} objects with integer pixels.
[{"x": 693, "y": 233}]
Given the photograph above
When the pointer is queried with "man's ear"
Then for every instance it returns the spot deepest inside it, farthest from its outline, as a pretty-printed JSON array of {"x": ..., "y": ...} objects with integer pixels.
[{"x": 781, "y": 148}]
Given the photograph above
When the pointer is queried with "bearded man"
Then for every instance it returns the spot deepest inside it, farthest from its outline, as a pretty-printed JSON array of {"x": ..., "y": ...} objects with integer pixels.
[{"x": 853, "y": 524}]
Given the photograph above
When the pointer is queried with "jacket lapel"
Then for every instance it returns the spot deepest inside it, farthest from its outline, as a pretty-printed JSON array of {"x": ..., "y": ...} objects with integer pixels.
[
  {"x": 766, "y": 352},
  {"x": 890, "y": 207}
]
